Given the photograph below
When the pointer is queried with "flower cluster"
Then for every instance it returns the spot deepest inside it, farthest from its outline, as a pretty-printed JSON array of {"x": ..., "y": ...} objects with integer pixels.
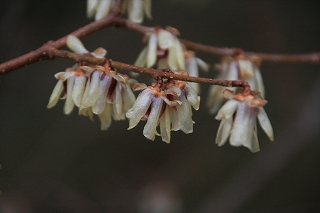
[
  {"x": 238, "y": 120},
  {"x": 136, "y": 9},
  {"x": 237, "y": 68},
  {"x": 167, "y": 105},
  {"x": 94, "y": 89}
]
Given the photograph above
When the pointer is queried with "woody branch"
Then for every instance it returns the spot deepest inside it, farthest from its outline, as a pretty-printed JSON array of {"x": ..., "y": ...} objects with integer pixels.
[{"x": 113, "y": 19}]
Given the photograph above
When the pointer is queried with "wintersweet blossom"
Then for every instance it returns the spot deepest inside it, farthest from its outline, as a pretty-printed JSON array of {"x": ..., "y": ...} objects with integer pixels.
[
  {"x": 188, "y": 98},
  {"x": 136, "y": 9},
  {"x": 169, "y": 108},
  {"x": 238, "y": 120},
  {"x": 238, "y": 68},
  {"x": 163, "y": 48},
  {"x": 94, "y": 89}
]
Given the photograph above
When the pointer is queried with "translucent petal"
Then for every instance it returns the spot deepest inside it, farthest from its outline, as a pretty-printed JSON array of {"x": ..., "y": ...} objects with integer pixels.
[
  {"x": 180, "y": 54},
  {"x": 85, "y": 95},
  {"x": 259, "y": 82},
  {"x": 128, "y": 98},
  {"x": 255, "y": 147},
  {"x": 246, "y": 69},
  {"x": 68, "y": 106},
  {"x": 117, "y": 103},
  {"x": 165, "y": 125},
  {"x": 135, "y": 11},
  {"x": 139, "y": 108},
  {"x": 101, "y": 102},
  {"x": 105, "y": 117},
  {"x": 150, "y": 127},
  {"x": 223, "y": 131},
  {"x": 227, "y": 110},
  {"x": 142, "y": 58},
  {"x": 55, "y": 95},
  {"x": 103, "y": 9},
  {"x": 184, "y": 115},
  {"x": 165, "y": 39},
  {"x": 78, "y": 89},
  {"x": 265, "y": 123},
  {"x": 91, "y": 7},
  {"x": 192, "y": 97},
  {"x": 147, "y": 8},
  {"x": 243, "y": 126},
  {"x": 174, "y": 117},
  {"x": 94, "y": 89},
  {"x": 75, "y": 45},
  {"x": 203, "y": 65},
  {"x": 172, "y": 59},
  {"x": 152, "y": 50}
]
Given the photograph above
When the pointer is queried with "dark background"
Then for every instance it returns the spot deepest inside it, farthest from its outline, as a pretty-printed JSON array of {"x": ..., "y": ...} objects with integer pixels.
[{"x": 57, "y": 163}]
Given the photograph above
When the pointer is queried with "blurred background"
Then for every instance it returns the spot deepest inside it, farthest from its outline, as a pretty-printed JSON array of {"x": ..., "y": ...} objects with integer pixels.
[{"x": 51, "y": 162}]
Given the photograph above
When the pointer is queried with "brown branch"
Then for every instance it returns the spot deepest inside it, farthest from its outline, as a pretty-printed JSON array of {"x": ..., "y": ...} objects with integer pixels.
[
  {"x": 42, "y": 53},
  {"x": 163, "y": 73},
  {"x": 155, "y": 73}
]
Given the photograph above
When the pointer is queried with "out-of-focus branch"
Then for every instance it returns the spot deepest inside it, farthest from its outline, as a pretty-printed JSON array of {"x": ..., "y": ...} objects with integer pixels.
[{"x": 313, "y": 58}]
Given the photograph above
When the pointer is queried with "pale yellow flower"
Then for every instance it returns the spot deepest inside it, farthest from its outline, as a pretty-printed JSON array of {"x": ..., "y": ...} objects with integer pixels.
[
  {"x": 238, "y": 120},
  {"x": 239, "y": 68},
  {"x": 164, "y": 49}
]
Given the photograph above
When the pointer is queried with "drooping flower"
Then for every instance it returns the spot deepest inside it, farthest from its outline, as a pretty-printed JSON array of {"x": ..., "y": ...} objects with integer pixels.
[
  {"x": 191, "y": 66},
  {"x": 136, "y": 9},
  {"x": 188, "y": 98},
  {"x": 238, "y": 68},
  {"x": 238, "y": 121},
  {"x": 163, "y": 48},
  {"x": 169, "y": 108},
  {"x": 94, "y": 89}
]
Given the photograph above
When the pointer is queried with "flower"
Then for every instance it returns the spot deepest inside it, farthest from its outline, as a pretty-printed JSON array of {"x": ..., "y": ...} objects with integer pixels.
[
  {"x": 238, "y": 120},
  {"x": 191, "y": 66},
  {"x": 136, "y": 9},
  {"x": 169, "y": 108},
  {"x": 238, "y": 68},
  {"x": 163, "y": 48},
  {"x": 94, "y": 89}
]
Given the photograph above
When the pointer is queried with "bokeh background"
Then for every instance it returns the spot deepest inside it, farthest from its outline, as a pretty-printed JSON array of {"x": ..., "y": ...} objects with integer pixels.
[{"x": 51, "y": 162}]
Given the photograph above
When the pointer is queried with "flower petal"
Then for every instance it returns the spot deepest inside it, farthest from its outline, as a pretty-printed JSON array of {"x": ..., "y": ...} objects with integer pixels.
[
  {"x": 103, "y": 9},
  {"x": 69, "y": 104},
  {"x": 135, "y": 12},
  {"x": 152, "y": 50},
  {"x": 165, "y": 39},
  {"x": 192, "y": 97},
  {"x": 153, "y": 119},
  {"x": 265, "y": 123},
  {"x": 91, "y": 7},
  {"x": 76, "y": 45},
  {"x": 165, "y": 125},
  {"x": 55, "y": 95},
  {"x": 78, "y": 89},
  {"x": 105, "y": 117},
  {"x": 139, "y": 108},
  {"x": 227, "y": 110},
  {"x": 223, "y": 131}
]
